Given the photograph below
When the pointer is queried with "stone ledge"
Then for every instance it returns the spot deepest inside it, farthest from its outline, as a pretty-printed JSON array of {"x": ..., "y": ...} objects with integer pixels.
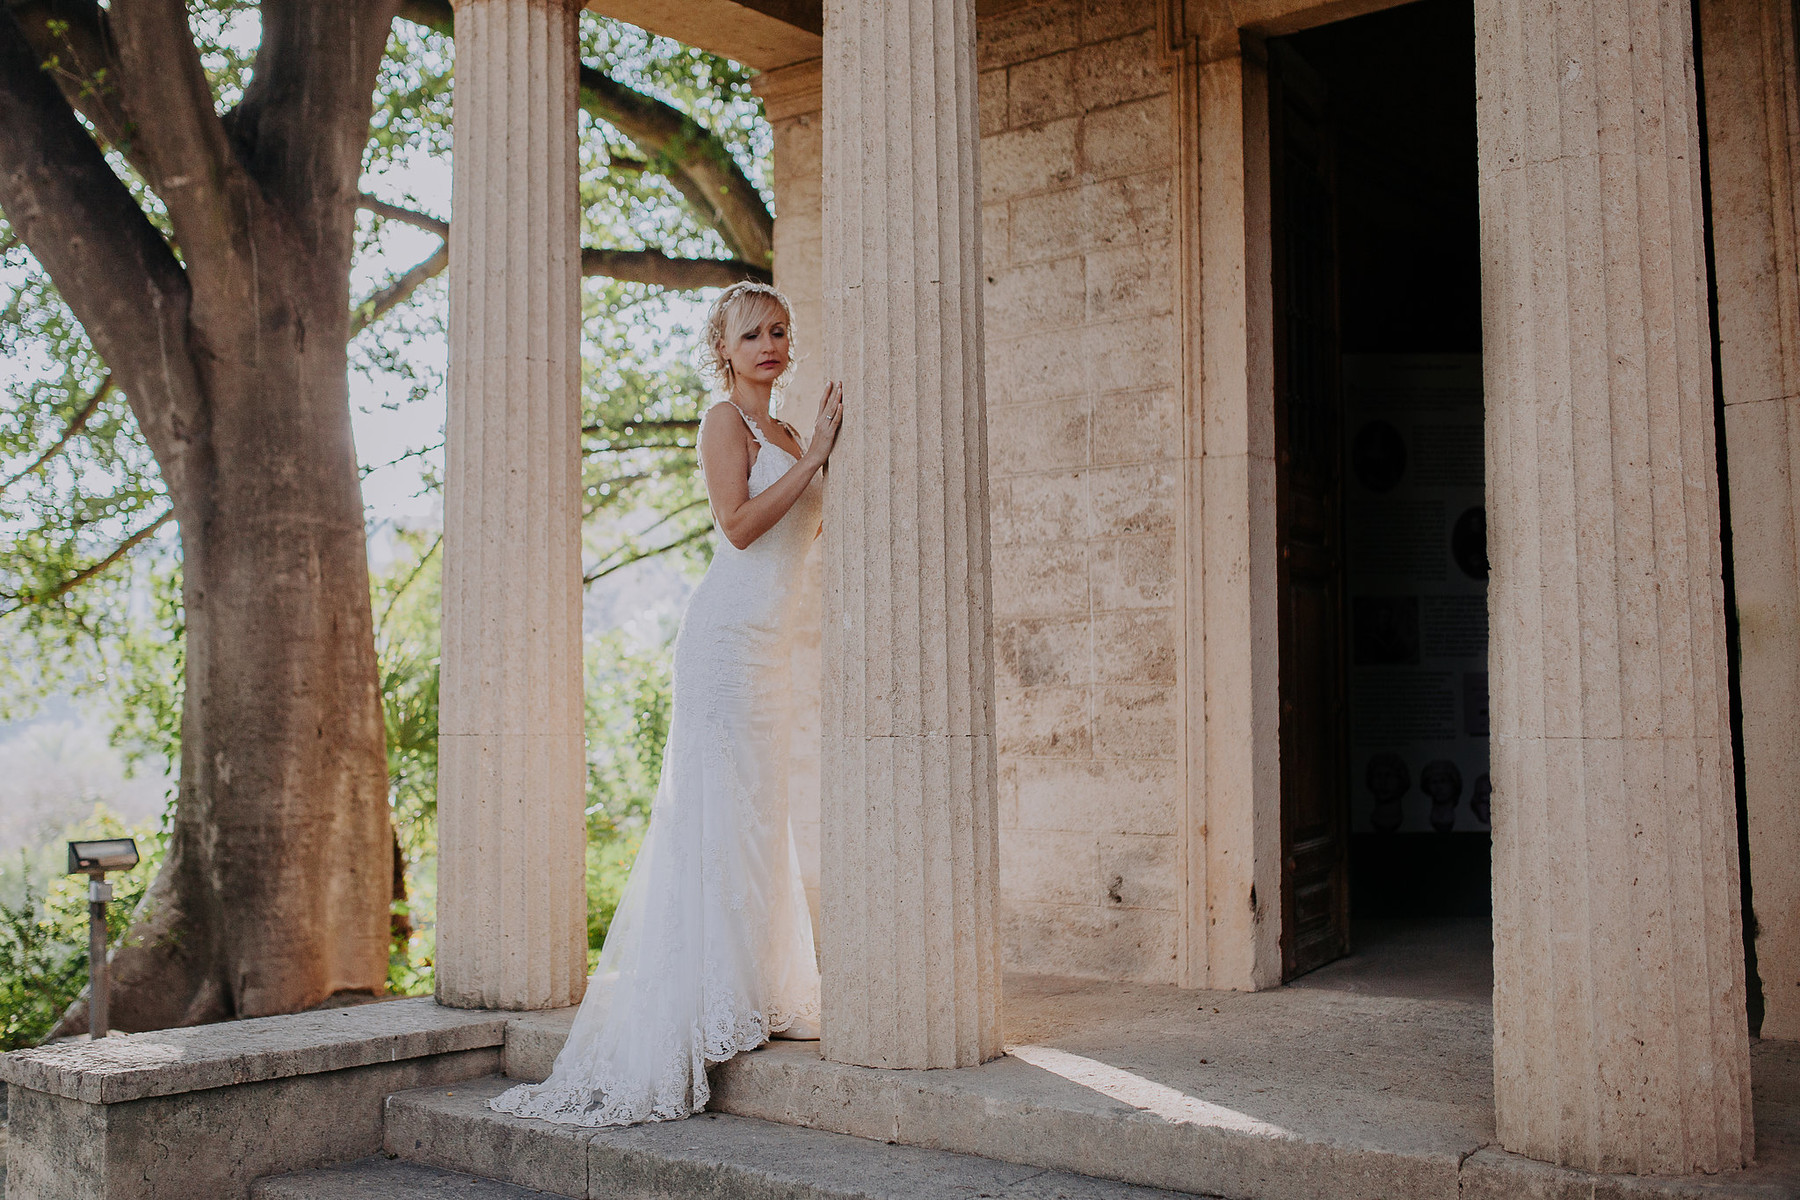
[
  {"x": 533, "y": 1040},
  {"x": 1014, "y": 1110},
  {"x": 709, "y": 1155},
  {"x": 171, "y": 1061}
]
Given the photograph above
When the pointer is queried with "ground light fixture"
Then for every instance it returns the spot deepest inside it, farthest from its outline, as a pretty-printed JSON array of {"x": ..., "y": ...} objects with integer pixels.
[{"x": 94, "y": 859}]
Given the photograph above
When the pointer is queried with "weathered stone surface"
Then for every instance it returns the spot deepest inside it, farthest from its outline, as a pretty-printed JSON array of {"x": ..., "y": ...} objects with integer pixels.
[
  {"x": 1084, "y": 448},
  {"x": 212, "y": 1143},
  {"x": 169, "y": 1061},
  {"x": 1079, "y": 1112},
  {"x": 533, "y": 1041},
  {"x": 56, "y": 1147},
  {"x": 756, "y": 1160},
  {"x": 1383, "y": 1059},
  {"x": 713, "y": 1155},
  {"x": 908, "y": 873},
  {"x": 1752, "y": 86},
  {"x": 1619, "y": 1013},
  {"x": 381, "y": 1178},
  {"x": 1497, "y": 1175},
  {"x": 1336, "y": 1089},
  {"x": 512, "y": 901},
  {"x": 453, "y": 1128},
  {"x": 1031, "y": 31}
]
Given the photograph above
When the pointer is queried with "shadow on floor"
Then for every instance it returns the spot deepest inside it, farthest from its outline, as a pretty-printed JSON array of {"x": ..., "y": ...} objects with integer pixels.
[{"x": 1434, "y": 958}]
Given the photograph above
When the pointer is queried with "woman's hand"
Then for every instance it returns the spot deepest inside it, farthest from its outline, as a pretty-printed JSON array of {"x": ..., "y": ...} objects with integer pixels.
[{"x": 825, "y": 429}]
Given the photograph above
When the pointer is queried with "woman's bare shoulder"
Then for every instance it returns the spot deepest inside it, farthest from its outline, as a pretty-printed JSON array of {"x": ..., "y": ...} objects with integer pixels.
[
  {"x": 724, "y": 438},
  {"x": 723, "y": 420}
]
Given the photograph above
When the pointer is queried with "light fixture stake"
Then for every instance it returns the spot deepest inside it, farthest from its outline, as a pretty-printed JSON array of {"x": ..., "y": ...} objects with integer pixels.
[{"x": 99, "y": 893}]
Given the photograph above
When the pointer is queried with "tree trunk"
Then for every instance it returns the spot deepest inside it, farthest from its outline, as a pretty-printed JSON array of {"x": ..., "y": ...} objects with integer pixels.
[{"x": 275, "y": 892}]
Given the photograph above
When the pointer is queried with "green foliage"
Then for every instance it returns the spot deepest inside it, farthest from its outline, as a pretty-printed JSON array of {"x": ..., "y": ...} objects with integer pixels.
[
  {"x": 90, "y": 603},
  {"x": 44, "y": 926},
  {"x": 628, "y": 708},
  {"x": 627, "y": 714},
  {"x": 608, "y": 867},
  {"x": 406, "y": 598},
  {"x": 43, "y": 967}
]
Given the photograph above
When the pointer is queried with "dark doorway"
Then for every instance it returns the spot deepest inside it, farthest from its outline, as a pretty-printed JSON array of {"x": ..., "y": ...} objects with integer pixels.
[
  {"x": 1379, "y": 475},
  {"x": 1309, "y": 517}
]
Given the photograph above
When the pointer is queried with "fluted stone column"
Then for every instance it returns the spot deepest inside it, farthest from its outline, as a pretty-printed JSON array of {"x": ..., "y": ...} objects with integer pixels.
[
  {"x": 1620, "y": 1041},
  {"x": 512, "y": 908},
  {"x": 908, "y": 856},
  {"x": 1752, "y": 79}
]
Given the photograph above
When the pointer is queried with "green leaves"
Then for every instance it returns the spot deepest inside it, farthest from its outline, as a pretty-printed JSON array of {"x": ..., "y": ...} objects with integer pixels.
[
  {"x": 44, "y": 926},
  {"x": 628, "y": 710},
  {"x": 43, "y": 967},
  {"x": 90, "y": 584}
]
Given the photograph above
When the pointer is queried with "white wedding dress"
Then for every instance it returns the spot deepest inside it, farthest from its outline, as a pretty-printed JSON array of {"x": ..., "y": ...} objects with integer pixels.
[{"x": 711, "y": 949}]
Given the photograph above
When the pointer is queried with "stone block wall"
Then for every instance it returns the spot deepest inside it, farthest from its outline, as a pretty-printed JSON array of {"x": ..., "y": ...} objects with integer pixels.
[
  {"x": 1084, "y": 448},
  {"x": 1084, "y": 456}
]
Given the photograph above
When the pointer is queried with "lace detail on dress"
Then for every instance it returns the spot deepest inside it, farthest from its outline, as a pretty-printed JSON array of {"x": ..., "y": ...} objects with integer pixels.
[{"x": 711, "y": 948}]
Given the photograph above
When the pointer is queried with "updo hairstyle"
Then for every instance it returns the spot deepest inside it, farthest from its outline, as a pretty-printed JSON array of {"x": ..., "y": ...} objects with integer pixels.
[{"x": 739, "y": 307}]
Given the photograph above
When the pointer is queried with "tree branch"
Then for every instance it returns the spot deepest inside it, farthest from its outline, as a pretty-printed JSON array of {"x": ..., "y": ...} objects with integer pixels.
[
  {"x": 689, "y": 155},
  {"x": 412, "y": 575},
  {"x": 618, "y": 447},
  {"x": 409, "y": 216},
  {"x": 75, "y": 426},
  {"x": 695, "y": 536},
  {"x": 397, "y": 292},
  {"x": 159, "y": 75},
  {"x": 651, "y": 267},
  {"x": 416, "y": 452},
  {"x": 671, "y": 515},
  {"x": 303, "y": 123},
  {"x": 692, "y": 158},
  {"x": 679, "y": 426},
  {"x": 108, "y": 261},
  {"x": 74, "y": 42},
  {"x": 88, "y": 572},
  {"x": 659, "y": 270}
]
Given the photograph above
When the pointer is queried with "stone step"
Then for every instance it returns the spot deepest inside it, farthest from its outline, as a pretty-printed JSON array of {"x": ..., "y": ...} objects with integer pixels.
[
  {"x": 711, "y": 1155},
  {"x": 1158, "y": 1096},
  {"x": 383, "y": 1178},
  {"x": 1291, "y": 1094}
]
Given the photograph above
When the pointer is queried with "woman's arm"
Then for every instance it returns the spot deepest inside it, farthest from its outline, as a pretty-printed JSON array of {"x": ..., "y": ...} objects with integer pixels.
[{"x": 725, "y": 455}]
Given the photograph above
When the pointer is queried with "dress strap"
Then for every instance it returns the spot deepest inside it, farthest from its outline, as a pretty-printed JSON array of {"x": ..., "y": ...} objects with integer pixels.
[{"x": 754, "y": 431}]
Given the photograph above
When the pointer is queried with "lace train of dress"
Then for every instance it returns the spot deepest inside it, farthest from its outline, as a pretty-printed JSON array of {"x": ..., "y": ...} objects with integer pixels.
[{"x": 711, "y": 949}]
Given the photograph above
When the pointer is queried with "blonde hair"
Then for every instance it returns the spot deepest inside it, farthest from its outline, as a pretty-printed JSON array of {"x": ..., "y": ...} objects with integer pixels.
[{"x": 736, "y": 310}]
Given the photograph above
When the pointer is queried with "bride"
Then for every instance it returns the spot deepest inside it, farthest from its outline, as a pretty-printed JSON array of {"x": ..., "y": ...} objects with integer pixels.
[{"x": 711, "y": 950}]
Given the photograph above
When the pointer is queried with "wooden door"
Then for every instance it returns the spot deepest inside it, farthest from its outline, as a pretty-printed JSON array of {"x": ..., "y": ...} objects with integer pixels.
[{"x": 1315, "y": 810}]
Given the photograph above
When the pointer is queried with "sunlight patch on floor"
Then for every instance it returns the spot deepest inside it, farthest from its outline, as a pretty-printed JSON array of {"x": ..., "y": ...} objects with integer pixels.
[{"x": 1166, "y": 1102}]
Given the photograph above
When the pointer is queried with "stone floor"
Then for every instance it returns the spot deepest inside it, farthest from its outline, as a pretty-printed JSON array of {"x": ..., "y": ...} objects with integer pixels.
[
  {"x": 1392, "y": 1046},
  {"x": 1371, "y": 1076}
]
